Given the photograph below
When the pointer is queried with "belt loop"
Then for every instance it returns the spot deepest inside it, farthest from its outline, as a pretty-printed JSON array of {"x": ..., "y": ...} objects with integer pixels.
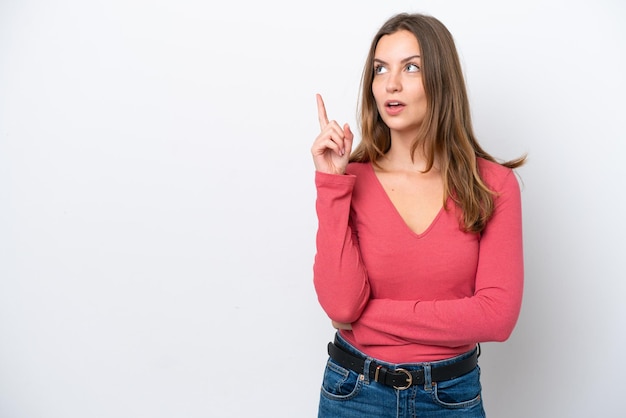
[
  {"x": 366, "y": 370},
  {"x": 428, "y": 379}
]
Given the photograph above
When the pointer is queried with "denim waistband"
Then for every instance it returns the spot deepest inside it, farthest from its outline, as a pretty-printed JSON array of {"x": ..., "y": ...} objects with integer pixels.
[{"x": 341, "y": 342}]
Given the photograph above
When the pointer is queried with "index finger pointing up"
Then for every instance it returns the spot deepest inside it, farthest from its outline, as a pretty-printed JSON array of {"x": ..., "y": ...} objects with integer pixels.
[{"x": 321, "y": 111}]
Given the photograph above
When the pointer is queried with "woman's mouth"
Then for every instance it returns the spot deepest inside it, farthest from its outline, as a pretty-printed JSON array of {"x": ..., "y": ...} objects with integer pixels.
[{"x": 394, "y": 107}]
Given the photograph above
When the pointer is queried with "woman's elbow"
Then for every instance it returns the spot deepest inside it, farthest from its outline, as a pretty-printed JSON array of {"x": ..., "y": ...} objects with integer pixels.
[
  {"x": 343, "y": 313},
  {"x": 503, "y": 329}
]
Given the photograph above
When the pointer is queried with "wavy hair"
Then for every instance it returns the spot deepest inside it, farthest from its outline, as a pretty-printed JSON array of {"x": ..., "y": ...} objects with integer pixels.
[{"x": 446, "y": 133}]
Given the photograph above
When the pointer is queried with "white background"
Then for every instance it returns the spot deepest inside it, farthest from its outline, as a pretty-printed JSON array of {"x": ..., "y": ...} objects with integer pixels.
[{"x": 157, "y": 204}]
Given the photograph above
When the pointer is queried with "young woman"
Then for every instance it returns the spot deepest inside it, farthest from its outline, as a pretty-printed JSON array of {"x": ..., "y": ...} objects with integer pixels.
[{"x": 419, "y": 243}]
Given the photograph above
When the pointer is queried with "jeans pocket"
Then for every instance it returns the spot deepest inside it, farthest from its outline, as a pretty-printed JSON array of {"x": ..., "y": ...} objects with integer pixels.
[
  {"x": 462, "y": 392},
  {"x": 340, "y": 383}
]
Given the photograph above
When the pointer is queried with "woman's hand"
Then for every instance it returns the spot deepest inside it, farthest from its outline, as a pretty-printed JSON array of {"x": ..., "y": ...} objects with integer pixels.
[
  {"x": 332, "y": 147},
  {"x": 342, "y": 325}
]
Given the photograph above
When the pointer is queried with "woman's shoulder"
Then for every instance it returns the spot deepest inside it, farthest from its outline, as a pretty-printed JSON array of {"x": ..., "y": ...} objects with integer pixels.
[{"x": 495, "y": 175}]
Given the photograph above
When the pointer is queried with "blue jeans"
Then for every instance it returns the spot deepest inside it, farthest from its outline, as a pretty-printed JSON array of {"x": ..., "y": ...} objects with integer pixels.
[{"x": 347, "y": 394}]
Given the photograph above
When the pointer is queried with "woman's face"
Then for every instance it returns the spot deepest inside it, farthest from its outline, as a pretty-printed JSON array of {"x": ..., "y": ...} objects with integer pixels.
[{"x": 397, "y": 85}]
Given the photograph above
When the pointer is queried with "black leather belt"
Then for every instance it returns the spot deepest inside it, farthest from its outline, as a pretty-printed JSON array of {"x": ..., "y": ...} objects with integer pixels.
[{"x": 400, "y": 378}]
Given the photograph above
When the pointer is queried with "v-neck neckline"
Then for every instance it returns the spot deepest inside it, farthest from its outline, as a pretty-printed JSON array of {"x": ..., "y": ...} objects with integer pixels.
[{"x": 389, "y": 202}]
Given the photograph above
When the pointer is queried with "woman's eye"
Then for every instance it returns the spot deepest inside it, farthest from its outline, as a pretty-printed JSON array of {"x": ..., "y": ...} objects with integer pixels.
[
  {"x": 379, "y": 69},
  {"x": 412, "y": 68}
]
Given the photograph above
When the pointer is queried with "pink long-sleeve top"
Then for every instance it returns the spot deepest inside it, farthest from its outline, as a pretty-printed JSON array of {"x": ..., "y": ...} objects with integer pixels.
[{"x": 416, "y": 297}]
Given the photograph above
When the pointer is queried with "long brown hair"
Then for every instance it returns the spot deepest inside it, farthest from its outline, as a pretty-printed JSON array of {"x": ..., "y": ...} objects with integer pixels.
[{"x": 446, "y": 132}]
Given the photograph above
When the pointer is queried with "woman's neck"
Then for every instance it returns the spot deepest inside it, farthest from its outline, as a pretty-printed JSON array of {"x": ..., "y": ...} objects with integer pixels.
[{"x": 399, "y": 158}]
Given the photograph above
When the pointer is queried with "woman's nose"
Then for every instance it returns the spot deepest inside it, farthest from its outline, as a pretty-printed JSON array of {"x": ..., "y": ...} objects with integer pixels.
[{"x": 394, "y": 83}]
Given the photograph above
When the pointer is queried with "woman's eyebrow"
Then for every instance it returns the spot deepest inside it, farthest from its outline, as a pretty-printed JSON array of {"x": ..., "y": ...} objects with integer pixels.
[{"x": 407, "y": 59}]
